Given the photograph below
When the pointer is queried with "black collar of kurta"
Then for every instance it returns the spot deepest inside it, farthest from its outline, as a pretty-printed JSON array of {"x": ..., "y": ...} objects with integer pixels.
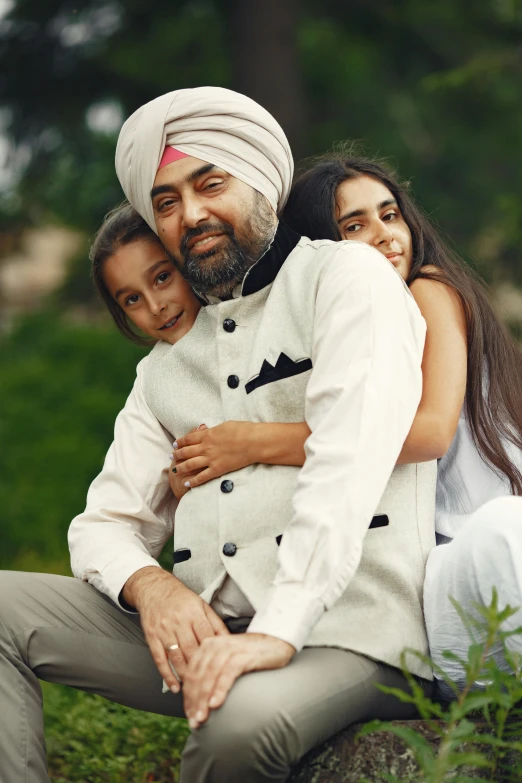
[
  {"x": 267, "y": 268},
  {"x": 265, "y": 271}
]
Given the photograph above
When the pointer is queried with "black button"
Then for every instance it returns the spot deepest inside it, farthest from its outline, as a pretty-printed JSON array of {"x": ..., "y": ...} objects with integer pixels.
[
  {"x": 233, "y": 381},
  {"x": 227, "y": 485},
  {"x": 229, "y": 549},
  {"x": 229, "y": 325}
]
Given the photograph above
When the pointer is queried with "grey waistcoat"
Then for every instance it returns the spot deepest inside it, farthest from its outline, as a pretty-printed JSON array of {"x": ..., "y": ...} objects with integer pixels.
[{"x": 380, "y": 613}]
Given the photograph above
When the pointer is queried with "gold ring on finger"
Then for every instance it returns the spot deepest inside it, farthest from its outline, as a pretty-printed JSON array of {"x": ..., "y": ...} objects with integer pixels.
[{"x": 173, "y": 647}]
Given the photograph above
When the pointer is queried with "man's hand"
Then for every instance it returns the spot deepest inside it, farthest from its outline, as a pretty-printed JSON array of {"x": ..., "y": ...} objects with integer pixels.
[
  {"x": 217, "y": 664},
  {"x": 175, "y": 620}
]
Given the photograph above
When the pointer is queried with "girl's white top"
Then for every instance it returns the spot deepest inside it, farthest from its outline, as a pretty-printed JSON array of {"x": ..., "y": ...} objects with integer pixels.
[{"x": 465, "y": 482}]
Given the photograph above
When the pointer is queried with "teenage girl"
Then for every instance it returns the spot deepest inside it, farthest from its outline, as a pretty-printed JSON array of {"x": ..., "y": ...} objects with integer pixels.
[{"x": 470, "y": 415}]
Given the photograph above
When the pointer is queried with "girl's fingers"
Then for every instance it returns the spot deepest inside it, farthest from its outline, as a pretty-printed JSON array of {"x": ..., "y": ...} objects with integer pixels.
[
  {"x": 189, "y": 439},
  {"x": 195, "y": 436},
  {"x": 191, "y": 466},
  {"x": 187, "y": 452},
  {"x": 177, "y": 483},
  {"x": 201, "y": 477}
]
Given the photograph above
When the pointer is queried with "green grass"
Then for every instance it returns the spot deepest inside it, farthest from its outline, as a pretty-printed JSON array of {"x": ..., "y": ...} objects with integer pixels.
[
  {"x": 91, "y": 740},
  {"x": 480, "y": 731}
]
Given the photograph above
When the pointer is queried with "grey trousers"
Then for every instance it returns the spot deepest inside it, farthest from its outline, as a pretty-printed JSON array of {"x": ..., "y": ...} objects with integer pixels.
[{"x": 62, "y": 630}]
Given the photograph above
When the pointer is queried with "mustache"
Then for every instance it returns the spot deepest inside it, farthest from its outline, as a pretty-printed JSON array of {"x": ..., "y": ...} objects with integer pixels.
[{"x": 206, "y": 228}]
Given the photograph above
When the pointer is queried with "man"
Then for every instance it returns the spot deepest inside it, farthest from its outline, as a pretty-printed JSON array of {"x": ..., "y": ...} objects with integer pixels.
[{"x": 292, "y": 329}]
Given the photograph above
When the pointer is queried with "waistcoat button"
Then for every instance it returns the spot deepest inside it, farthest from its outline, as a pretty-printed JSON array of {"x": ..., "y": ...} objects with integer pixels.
[
  {"x": 233, "y": 381},
  {"x": 227, "y": 486},
  {"x": 229, "y": 549},
  {"x": 229, "y": 325}
]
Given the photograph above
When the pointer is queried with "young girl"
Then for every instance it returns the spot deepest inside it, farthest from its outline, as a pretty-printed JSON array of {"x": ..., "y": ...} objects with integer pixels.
[
  {"x": 142, "y": 288},
  {"x": 470, "y": 414}
]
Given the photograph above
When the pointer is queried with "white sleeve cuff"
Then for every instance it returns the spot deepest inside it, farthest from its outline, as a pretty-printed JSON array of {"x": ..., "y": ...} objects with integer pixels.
[
  {"x": 290, "y": 613},
  {"x": 116, "y": 574}
]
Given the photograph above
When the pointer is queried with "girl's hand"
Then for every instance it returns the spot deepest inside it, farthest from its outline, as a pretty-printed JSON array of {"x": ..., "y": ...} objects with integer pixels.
[
  {"x": 176, "y": 480},
  {"x": 208, "y": 453}
]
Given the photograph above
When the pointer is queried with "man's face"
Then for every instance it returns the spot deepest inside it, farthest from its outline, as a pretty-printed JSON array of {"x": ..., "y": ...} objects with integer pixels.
[{"x": 213, "y": 226}]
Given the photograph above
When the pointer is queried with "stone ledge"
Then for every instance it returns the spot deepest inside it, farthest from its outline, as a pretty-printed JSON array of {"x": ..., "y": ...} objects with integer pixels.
[{"x": 343, "y": 760}]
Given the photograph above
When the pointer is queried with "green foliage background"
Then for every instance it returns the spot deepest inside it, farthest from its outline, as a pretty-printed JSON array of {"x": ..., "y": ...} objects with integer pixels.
[
  {"x": 62, "y": 386},
  {"x": 434, "y": 86}
]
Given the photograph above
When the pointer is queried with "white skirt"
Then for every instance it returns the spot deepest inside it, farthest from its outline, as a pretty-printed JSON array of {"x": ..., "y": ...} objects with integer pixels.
[{"x": 485, "y": 553}]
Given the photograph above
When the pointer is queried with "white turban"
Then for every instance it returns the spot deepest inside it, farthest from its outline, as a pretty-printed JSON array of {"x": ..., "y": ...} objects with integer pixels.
[{"x": 210, "y": 123}]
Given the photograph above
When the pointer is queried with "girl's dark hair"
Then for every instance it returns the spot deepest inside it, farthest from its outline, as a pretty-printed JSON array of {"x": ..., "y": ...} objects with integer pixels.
[
  {"x": 494, "y": 379},
  {"x": 120, "y": 226}
]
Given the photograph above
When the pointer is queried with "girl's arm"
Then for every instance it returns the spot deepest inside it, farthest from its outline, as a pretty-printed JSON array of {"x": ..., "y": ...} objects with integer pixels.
[
  {"x": 444, "y": 371},
  {"x": 277, "y": 444},
  {"x": 211, "y": 452}
]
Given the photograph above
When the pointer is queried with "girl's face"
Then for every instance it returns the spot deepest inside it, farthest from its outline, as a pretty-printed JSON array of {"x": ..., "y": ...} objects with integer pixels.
[
  {"x": 367, "y": 211},
  {"x": 150, "y": 290}
]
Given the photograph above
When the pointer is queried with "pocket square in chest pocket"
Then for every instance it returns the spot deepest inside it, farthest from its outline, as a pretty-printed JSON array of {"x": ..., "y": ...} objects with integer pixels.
[{"x": 283, "y": 368}]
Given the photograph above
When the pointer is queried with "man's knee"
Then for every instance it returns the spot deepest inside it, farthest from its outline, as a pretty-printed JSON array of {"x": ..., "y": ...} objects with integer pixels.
[{"x": 249, "y": 738}]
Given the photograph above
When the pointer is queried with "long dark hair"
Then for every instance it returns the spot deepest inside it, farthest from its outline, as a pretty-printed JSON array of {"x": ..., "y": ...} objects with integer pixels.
[
  {"x": 494, "y": 379},
  {"x": 120, "y": 226}
]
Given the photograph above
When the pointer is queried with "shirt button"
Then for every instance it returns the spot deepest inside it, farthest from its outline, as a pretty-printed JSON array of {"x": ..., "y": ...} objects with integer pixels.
[
  {"x": 233, "y": 381},
  {"x": 229, "y": 325},
  {"x": 227, "y": 486},
  {"x": 229, "y": 549}
]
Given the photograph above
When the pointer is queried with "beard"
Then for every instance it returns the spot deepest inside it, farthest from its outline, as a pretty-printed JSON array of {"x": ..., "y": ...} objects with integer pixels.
[{"x": 220, "y": 270}]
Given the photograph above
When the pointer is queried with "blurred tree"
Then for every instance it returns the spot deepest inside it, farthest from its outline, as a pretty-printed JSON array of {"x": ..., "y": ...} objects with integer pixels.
[
  {"x": 69, "y": 75},
  {"x": 265, "y": 63},
  {"x": 436, "y": 86}
]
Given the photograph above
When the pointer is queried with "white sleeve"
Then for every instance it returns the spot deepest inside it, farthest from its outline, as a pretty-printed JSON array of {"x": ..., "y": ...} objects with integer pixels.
[
  {"x": 130, "y": 510},
  {"x": 361, "y": 400}
]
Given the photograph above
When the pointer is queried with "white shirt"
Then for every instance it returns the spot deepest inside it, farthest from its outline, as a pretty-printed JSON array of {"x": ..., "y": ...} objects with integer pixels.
[
  {"x": 361, "y": 399},
  {"x": 465, "y": 482}
]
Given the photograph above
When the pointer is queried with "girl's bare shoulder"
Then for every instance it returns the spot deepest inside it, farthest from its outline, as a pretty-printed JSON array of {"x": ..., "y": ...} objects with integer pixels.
[
  {"x": 433, "y": 285},
  {"x": 436, "y": 297}
]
